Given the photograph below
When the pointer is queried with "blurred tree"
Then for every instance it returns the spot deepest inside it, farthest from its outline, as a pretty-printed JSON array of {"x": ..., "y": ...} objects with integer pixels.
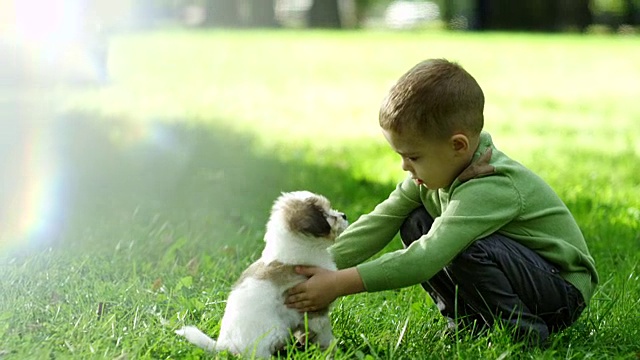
[
  {"x": 615, "y": 13},
  {"x": 632, "y": 12},
  {"x": 573, "y": 14},
  {"x": 222, "y": 13},
  {"x": 363, "y": 9},
  {"x": 240, "y": 13},
  {"x": 523, "y": 15},
  {"x": 261, "y": 13},
  {"x": 446, "y": 10},
  {"x": 324, "y": 14}
]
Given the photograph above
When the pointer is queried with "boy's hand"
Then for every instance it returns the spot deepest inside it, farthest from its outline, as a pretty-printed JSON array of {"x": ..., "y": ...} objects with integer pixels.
[
  {"x": 322, "y": 288},
  {"x": 317, "y": 293}
]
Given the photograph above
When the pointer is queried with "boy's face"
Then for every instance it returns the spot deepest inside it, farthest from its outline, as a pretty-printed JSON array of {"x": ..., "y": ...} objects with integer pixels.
[{"x": 432, "y": 163}]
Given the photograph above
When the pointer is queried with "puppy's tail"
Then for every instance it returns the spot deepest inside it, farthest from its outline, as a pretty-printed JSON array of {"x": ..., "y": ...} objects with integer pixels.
[{"x": 197, "y": 337}]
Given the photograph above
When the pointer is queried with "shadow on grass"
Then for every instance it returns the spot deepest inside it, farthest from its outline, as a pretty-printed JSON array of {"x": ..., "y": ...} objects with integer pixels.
[{"x": 82, "y": 172}]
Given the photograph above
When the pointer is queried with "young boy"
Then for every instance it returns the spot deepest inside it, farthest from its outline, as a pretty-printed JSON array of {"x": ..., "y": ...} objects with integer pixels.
[{"x": 487, "y": 238}]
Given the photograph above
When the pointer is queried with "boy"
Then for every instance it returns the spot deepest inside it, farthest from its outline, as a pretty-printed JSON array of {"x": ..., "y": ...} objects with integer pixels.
[{"x": 487, "y": 239}]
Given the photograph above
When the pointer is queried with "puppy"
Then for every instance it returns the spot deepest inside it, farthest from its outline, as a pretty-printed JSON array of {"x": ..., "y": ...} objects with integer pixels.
[{"x": 256, "y": 322}]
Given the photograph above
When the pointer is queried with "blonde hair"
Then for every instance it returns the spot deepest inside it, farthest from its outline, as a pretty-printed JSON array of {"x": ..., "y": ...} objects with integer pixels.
[{"x": 436, "y": 99}]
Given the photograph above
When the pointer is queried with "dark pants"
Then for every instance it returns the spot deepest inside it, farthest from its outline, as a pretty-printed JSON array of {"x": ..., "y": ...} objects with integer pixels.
[{"x": 498, "y": 279}]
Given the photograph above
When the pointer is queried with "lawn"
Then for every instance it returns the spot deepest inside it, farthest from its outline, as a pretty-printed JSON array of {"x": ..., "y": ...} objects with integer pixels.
[{"x": 129, "y": 210}]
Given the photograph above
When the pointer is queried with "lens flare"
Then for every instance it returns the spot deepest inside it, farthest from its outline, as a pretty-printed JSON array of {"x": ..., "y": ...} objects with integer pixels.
[
  {"x": 61, "y": 175},
  {"x": 29, "y": 213}
]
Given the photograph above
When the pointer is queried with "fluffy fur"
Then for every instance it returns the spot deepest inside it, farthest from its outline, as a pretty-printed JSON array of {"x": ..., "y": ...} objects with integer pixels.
[{"x": 256, "y": 322}]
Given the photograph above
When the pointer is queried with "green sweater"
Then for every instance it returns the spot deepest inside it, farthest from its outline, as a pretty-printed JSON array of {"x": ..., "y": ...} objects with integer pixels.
[{"x": 496, "y": 194}]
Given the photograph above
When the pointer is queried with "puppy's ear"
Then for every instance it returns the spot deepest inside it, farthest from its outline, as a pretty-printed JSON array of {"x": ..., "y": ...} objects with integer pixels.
[{"x": 307, "y": 217}]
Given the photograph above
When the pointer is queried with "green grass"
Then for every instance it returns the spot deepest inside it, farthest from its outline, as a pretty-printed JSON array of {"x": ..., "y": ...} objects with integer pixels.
[{"x": 166, "y": 177}]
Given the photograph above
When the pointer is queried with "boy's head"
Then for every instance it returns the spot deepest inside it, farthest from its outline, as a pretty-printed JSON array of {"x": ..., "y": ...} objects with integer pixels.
[
  {"x": 435, "y": 99},
  {"x": 433, "y": 117}
]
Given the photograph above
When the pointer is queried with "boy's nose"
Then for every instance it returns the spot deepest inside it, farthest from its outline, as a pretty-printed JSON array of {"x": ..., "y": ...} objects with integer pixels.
[{"x": 405, "y": 165}]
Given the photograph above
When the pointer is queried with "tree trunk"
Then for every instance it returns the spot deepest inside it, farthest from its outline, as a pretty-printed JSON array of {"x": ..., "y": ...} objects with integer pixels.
[
  {"x": 222, "y": 13},
  {"x": 362, "y": 8},
  {"x": 324, "y": 14},
  {"x": 262, "y": 13},
  {"x": 532, "y": 15},
  {"x": 573, "y": 14},
  {"x": 631, "y": 13},
  {"x": 447, "y": 8}
]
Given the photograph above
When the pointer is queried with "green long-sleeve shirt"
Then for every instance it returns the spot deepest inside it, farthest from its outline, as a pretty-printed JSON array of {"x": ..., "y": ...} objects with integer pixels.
[{"x": 508, "y": 199}]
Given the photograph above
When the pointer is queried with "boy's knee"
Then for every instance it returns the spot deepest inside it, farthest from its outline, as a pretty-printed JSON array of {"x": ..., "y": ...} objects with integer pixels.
[{"x": 415, "y": 225}]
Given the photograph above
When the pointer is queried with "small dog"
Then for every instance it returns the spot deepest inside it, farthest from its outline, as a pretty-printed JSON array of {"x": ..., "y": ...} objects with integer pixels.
[{"x": 256, "y": 322}]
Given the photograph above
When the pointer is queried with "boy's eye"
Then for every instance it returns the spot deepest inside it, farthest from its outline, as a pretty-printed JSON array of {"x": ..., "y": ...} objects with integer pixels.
[{"x": 409, "y": 158}]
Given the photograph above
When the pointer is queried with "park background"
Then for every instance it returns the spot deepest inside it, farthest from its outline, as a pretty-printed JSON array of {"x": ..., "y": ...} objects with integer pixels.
[{"x": 142, "y": 144}]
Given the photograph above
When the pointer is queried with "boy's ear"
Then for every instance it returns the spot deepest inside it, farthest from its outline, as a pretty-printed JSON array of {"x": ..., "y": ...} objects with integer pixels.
[{"x": 460, "y": 143}]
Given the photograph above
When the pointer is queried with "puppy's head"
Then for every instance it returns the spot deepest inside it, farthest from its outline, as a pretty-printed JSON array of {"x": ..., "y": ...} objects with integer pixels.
[{"x": 308, "y": 214}]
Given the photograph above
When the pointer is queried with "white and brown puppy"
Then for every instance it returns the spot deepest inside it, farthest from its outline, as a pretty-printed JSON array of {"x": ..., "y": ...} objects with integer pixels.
[{"x": 256, "y": 322}]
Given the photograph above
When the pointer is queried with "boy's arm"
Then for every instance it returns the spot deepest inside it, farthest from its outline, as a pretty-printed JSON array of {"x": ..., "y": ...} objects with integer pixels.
[
  {"x": 372, "y": 232},
  {"x": 476, "y": 209}
]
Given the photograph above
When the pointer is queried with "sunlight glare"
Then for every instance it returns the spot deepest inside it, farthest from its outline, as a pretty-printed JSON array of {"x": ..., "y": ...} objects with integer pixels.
[{"x": 60, "y": 40}]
